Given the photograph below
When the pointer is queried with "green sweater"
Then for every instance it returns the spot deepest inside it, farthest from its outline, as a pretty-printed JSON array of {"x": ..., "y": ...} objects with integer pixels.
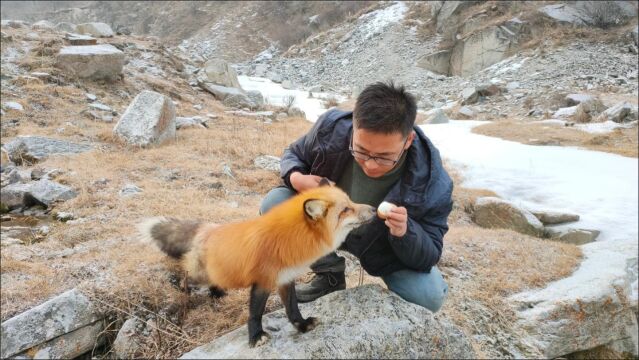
[{"x": 366, "y": 190}]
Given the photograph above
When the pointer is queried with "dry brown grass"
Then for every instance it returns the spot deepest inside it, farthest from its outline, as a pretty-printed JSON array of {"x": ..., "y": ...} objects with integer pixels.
[{"x": 620, "y": 141}]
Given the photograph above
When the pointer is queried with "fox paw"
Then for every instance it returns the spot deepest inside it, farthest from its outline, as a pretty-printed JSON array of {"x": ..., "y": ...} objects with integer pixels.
[
  {"x": 259, "y": 339},
  {"x": 307, "y": 324}
]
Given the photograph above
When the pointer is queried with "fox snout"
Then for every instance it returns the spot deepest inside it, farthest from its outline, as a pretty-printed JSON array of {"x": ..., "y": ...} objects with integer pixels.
[{"x": 366, "y": 214}]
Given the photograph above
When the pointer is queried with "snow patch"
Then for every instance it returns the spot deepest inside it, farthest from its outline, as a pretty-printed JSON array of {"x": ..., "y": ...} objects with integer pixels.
[{"x": 376, "y": 21}]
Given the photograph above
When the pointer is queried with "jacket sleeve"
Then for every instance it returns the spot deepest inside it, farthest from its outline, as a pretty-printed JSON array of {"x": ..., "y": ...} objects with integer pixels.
[
  {"x": 299, "y": 156},
  {"x": 421, "y": 247}
]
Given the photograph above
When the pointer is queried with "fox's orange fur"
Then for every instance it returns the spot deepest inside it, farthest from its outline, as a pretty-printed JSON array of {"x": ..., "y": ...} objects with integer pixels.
[{"x": 274, "y": 248}]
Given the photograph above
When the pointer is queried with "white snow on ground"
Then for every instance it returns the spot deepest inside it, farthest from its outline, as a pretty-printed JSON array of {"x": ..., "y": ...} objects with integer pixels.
[
  {"x": 594, "y": 128},
  {"x": 600, "y": 187},
  {"x": 275, "y": 94},
  {"x": 376, "y": 21}
]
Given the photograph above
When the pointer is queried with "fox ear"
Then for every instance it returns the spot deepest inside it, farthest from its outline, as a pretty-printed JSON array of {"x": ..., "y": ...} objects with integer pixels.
[
  {"x": 325, "y": 182},
  {"x": 315, "y": 209}
]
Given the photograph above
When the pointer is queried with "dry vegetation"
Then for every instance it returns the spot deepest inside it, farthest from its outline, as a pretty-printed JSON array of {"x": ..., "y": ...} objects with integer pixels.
[{"x": 620, "y": 141}]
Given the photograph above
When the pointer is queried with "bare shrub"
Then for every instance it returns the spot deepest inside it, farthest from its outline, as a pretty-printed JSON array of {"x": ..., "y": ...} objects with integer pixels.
[
  {"x": 604, "y": 14},
  {"x": 289, "y": 101},
  {"x": 330, "y": 102}
]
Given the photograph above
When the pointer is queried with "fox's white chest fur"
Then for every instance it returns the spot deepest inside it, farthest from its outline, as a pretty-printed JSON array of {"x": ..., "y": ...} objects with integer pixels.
[{"x": 287, "y": 275}]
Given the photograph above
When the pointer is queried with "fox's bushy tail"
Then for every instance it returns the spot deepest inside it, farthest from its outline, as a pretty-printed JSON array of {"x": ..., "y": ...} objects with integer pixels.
[{"x": 173, "y": 236}]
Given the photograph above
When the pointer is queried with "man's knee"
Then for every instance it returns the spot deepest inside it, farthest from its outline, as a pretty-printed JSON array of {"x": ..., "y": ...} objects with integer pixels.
[
  {"x": 428, "y": 290},
  {"x": 274, "y": 197}
]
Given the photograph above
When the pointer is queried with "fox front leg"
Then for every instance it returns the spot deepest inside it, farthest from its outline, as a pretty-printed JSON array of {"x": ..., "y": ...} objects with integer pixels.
[
  {"x": 257, "y": 304},
  {"x": 289, "y": 299}
]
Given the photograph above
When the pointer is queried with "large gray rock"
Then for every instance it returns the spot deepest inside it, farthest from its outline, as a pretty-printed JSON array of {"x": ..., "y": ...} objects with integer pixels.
[
  {"x": 437, "y": 62},
  {"x": 621, "y": 112},
  {"x": 436, "y": 116},
  {"x": 32, "y": 149},
  {"x": 102, "y": 61},
  {"x": 79, "y": 39},
  {"x": 256, "y": 97},
  {"x": 16, "y": 24},
  {"x": 70, "y": 345},
  {"x": 594, "y": 306},
  {"x": 572, "y": 236},
  {"x": 566, "y": 14},
  {"x": 61, "y": 315},
  {"x": 149, "y": 119},
  {"x": 232, "y": 97},
  {"x": 218, "y": 71},
  {"x": 66, "y": 27},
  {"x": 446, "y": 13},
  {"x": 363, "y": 322},
  {"x": 96, "y": 29},
  {"x": 492, "y": 212},
  {"x": 554, "y": 218},
  {"x": 267, "y": 162},
  {"x": 190, "y": 122},
  {"x": 126, "y": 343},
  {"x": 483, "y": 48},
  {"x": 41, "y": 192}
]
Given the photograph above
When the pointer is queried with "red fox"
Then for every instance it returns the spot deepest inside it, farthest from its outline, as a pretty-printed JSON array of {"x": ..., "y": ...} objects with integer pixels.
[{"x": 263, "y": 253}]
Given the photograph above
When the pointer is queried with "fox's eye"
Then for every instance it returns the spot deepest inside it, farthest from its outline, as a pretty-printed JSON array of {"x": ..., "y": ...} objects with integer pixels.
[{"x": 346, "y": 209}]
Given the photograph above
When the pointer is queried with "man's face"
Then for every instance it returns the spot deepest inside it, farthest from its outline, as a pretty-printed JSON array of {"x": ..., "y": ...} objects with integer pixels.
[{"x": 386, "y": 146}]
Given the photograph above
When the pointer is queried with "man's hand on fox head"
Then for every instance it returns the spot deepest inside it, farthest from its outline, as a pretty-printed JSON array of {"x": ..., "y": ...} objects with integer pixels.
[{"x": 303, "y": 182}]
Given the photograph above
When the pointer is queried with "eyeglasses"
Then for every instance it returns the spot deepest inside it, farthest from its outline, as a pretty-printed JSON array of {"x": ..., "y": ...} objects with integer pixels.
[{"x": 379, "y": 160}]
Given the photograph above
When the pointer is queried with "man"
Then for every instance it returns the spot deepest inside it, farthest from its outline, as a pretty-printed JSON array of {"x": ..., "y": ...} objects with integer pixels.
[{"x": 375, "y": 154}]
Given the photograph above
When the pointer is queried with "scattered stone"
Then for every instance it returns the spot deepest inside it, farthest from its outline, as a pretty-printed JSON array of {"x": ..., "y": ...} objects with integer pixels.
[
  {"x": 16, "y": 24},
  {"x": 267, "y": 162},
  {"x": 567, "y": 112},
  {"x": 386, "y": 327},
  {"x": 79, "y": 39},
  {"x": 222, "y": 93},
  {"x": 61, "y": 316},
  {"x": 100, "y": 116},
  {"x": 91, "y": 97},
  {"x": 281, "y": 116},
  {"x": 492, "y": 212},
  {"x": 149, "y": 119},
  {"x": 32, "y": 149},
  {"x": 572, "y": 236},
  {"x": 190, "y": 122},
  {"x": 197, "y": 107},
  {"x": 96, "y": 29},
  {"x": 12, "y": 105},
  {"x": 100, "y": 106},
  {"x": 287, "y": 84},
  {"x": 63, "y": 216},
  {"x": 554, "y": 218},
  {"x": 566, "y": 14},
  {"x": 130, "y": 190},
  {"x": 256, "y": 97},
  {"x": 102, "y": 61},
  {"x": 32, "y": 36},
  {"x": 238, "y": 101}
]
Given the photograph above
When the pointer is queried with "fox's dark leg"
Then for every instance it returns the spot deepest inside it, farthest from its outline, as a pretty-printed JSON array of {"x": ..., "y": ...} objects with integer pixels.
[
  {"x": 289, "y": 299},
  {"x": 216, "y": 292},
  {"x": 257, "y": 304}
]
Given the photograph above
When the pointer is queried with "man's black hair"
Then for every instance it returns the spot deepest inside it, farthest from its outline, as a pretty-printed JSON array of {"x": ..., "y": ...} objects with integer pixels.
[{"x": 385, "y": 108}]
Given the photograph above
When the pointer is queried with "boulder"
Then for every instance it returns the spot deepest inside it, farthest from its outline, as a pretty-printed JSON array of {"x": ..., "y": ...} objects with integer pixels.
[
  {"x": 274, "y": 77},
  {"x": 436, "y": 116},
  {"x": 267, "y": 162},
  {"x": 63, "y": 327},
  {"x": 32, "y": 149},
  {"x": 447, "y": 13},
  {"x": 148, "y": 120},
  {"x": 96, "y": 29},
  {"x": 41, "y": 192},
  {"x": 12, "y": 105},
  {"x": 566, "y": 14},
  {"x": 595, "y": 306},
  {"x": 554, "y": 218},
  {"x": 238, "y": 101},
  {"x": 566, "y": 112},
  {"x": 483, "y": 48},
  {"x": 91, "y": 61},
  {"x": 437, "y": 62},
  {"x": 219, "y": 72},
  {"x": 256, "y": 97},
  {"x": 363, "y": 322},
  {"x": 78, "y": 39},
  {"x": 261, "y": 69},
  {"x": 130, "y": 190},
  {"x": 492, "y": 212},
  {"x": 126, "y": 343},
  {"x": 466, "y": 112},
  {"x": 621, "y": 112},
  {"x": 294, "y": 111},
  {"x": 287, "y": 84},
  {"x": 572, "y": 236}
]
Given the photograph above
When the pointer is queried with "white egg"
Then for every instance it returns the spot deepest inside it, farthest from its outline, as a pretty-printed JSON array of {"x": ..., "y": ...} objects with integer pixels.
[{"x": 384, "y": 209}]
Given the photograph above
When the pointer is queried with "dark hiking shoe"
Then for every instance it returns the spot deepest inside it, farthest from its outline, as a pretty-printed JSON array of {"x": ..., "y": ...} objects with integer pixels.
[{"x": 322, "y": 284}]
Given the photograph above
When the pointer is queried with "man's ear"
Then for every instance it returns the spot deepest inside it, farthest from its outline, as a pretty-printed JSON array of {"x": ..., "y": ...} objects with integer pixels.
[
  {"x": 325, "y": 182},
  {"x": 411, "y": 137},
  {"x": 315, "y": 209}
]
